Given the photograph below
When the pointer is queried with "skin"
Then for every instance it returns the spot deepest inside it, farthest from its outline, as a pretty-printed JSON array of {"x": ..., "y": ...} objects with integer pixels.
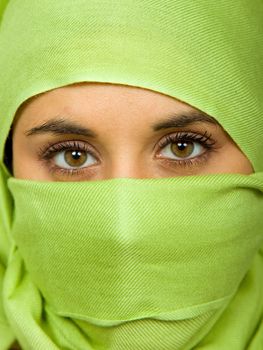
[{"x": 125, "y": 144}]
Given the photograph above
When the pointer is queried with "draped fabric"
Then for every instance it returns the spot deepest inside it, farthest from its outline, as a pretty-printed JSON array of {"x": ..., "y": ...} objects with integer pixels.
[{"x": 153, "y": 263}]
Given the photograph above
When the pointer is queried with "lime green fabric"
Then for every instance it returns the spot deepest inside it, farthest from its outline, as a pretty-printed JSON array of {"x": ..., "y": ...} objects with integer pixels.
[
  {"x": 135, "y": 264},
  {"x": 125, "y": 263}
]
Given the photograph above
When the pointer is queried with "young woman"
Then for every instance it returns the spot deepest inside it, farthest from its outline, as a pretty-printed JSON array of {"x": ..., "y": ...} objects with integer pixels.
[{"x": 131, "y": 175}]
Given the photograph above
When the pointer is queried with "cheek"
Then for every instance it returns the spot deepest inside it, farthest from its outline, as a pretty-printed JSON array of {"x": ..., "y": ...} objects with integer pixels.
[
  {"x": 238, "y": 161},
  {"x": 25, "y": 163},
  {"x": 19, "y": 157},
  {"x": 243, "y": 164},
  {"x": 233, "y": 160},
  {"x": 24, "y": 167}
]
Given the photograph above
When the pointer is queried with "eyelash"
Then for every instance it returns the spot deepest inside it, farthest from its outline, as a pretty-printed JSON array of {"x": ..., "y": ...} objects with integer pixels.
[
  {"x": 205, "y": 140},
  {"x": 50, "y": 150},
  {"x": 47, "y": 152}
]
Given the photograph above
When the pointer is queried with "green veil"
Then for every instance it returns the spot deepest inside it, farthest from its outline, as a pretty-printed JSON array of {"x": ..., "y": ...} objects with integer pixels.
[{"x": 199, "y": 288}]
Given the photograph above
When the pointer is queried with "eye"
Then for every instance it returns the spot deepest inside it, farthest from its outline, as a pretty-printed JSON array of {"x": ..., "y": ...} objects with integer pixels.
[
  {"x": 185, "y": 146},
  {"x": 68, "y": 156},
  {"x": 182, "y": 150},
  {"x": 69, "y": 159}
]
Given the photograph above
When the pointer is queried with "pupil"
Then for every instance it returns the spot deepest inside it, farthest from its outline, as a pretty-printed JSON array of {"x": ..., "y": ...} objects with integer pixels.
[
  {"x": 182, "y": 146},
  {"x": 76, "y": 155}
]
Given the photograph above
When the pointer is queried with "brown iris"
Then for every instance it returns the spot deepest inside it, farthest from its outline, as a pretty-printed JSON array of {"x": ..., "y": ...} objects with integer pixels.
[
  {"x": 182, "y": 149},
  {"x": 75, "y": 158}
]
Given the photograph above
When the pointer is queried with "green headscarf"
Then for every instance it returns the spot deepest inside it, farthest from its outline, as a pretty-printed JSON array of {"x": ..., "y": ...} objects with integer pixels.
[{"x": 154, "y": 263}]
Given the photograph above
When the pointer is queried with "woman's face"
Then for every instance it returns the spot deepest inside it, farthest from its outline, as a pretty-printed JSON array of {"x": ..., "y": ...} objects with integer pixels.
[{"x": 99, "y": 131}]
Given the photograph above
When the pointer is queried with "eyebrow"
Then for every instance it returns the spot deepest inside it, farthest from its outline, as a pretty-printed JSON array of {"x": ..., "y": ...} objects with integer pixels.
[
  {"x": 183, "y": 120},
  {"x": 61, "y": 126}
]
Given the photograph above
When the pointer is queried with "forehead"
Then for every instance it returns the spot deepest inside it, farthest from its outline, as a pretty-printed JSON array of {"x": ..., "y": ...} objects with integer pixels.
[{"x": 93, "y": 101}]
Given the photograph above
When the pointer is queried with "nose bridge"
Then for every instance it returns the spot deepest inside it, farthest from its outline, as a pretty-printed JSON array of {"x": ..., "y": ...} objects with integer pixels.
[
  {"x": 126, "y": 154},
  {"x": 126, "y": 163},
  {"x": 125, "y": 166}
]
